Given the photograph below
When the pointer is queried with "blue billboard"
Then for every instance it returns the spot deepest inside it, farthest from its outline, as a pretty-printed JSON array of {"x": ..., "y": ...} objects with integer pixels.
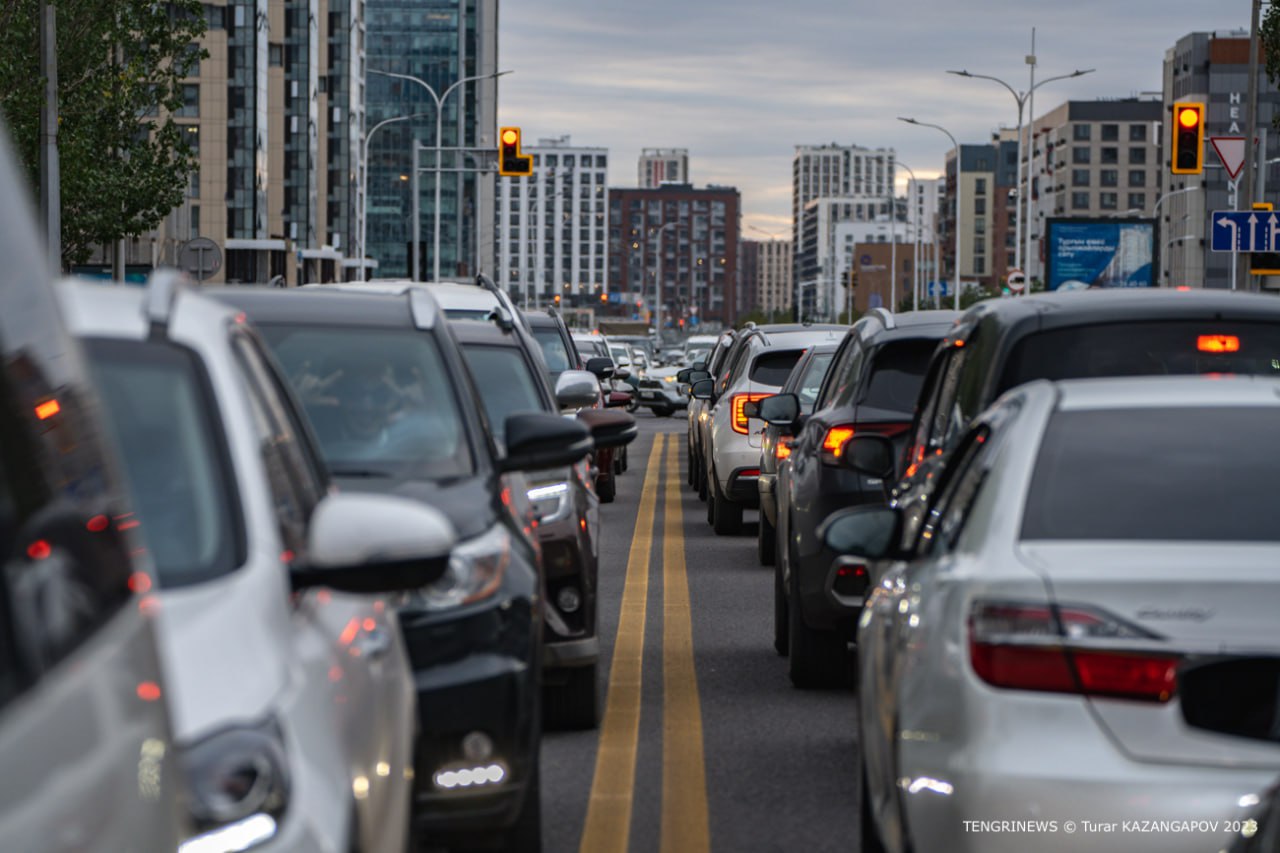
[{"x": 1084, "y": 253}]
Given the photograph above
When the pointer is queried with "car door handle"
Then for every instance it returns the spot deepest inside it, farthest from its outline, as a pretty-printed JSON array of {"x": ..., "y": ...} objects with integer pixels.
[{"x": 374, "y": 644}]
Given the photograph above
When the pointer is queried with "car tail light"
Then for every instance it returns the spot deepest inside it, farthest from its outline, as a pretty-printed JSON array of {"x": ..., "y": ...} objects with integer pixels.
[
  {"x": 1218, "y": 343},
  {"x": 833, "y": 443},
  {"x": 851, "y": 580},
  {"x": 1030, "y": 647},
  {"x": 782, "y": 449},
  {"x": 736, "y": 404}
]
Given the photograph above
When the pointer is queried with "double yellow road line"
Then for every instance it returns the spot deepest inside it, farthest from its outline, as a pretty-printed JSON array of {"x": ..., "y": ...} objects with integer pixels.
[{"x": 684, "y": 788}]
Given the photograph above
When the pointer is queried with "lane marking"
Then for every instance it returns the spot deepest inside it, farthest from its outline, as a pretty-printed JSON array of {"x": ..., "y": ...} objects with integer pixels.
[
  {"x": 608, "y": 825},
  {"x": 684, "y": 777}
]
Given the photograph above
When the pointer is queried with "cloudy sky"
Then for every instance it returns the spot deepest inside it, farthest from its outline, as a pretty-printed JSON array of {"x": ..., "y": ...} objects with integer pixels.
[{"x": 740, "y": 83}]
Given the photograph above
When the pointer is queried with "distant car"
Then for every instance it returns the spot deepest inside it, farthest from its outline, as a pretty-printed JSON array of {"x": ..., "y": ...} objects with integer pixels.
[
  {"x": 1023, "y": 649},
  {"x": 85, "y": 736},
  {"x": 696, "y": 411},
  {"x": 660, "y": 391},
  {"x": 387, "y": 390}
]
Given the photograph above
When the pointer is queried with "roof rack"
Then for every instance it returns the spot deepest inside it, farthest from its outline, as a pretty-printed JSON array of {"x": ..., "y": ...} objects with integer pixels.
[
  {"x": 885, "y": 315},
  {"x": 162, "y": 292}
]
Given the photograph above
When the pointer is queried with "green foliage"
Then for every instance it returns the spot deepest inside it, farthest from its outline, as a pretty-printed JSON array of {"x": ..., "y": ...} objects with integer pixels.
[
  {"x": 970, "y": 296},
  {"x": 120, "y": 66},
  {"x": 760, "y": 318},
  {"x": 1269, "y": 35}
]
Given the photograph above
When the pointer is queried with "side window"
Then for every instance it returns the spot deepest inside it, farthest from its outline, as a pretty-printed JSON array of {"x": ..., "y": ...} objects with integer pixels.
[
  {"x": 959, "y": 486},
  {"x": 733, "y": 367},
  {"x": 929, "y": 393},
  {"x": 839, "y": 367},
  {"x": 849, "y": 379},
  {"x": 294, "y": 488},
  {"x": 947, "y": 421}
]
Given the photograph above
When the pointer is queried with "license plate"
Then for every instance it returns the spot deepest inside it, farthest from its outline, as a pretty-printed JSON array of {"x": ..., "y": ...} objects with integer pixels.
[{"x": 648, "y": 395}]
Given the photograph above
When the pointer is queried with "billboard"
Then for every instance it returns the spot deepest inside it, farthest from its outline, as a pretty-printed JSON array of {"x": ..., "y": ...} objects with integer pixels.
[{"x": 1081, "y": 253}]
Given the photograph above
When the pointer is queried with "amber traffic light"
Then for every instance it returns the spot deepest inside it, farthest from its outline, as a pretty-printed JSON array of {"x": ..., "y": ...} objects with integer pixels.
[
  {"x": 510, "y": 161},
  {"x": 1188, "y": 139}
]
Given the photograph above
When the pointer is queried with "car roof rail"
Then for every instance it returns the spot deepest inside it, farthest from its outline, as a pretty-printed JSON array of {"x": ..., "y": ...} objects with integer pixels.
[
  {"x": 163, "y": 286},
  {"x": 423, "y": 308},
  {"x": 886, "y": 317}
]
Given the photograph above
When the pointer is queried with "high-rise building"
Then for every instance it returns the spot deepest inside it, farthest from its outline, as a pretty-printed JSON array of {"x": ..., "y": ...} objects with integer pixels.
[
  {"x": 683, "y": 237},
  {"x": 439, "y": 42},
  {"x": 663, "y": 166},
  {"x": 765, "y": 276},
  {"x": 1213, "y": 69},
  {"x": 551, "y": 225}
]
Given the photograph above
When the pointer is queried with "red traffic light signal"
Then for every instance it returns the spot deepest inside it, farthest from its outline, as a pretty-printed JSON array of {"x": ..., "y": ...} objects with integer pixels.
[
  {"x": 510, "y": 161},
  {"x": 1187, "y": 139}
]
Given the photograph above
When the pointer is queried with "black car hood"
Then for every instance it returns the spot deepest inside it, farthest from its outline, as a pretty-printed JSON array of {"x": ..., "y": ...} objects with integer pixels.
[{"x": 465, "y": 501}]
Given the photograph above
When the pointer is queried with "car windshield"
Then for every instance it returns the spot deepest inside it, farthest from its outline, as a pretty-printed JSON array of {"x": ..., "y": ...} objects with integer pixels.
[
  {"x": 174, "y": 457},
  {"x": 553, "y": 350},
  {"x": 467, "y": 313},
  {"x": 506, "y": 384},
  {"x": 380, "y": 400},
  {"x": 811, "y": 382},
  {"x": 1157, "y": 474}
]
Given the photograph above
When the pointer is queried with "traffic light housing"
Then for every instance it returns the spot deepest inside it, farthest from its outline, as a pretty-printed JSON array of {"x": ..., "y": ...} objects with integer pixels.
[
  {"x": 1187, "y": 139},
  {"x": 511, "y": 162},
  {"x": 851, "y": 281}
]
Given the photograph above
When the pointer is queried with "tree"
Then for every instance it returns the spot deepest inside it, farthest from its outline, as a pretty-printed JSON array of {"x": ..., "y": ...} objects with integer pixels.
[
  {"x": 123, "y": 166},
  {"x": 1269, "y": 36}
]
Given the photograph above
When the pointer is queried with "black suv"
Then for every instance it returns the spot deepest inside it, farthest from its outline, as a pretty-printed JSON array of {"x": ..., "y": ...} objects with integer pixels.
[
  {"x": 392, "y": 403},
  {"x": 511, "y": 380},
  {"x": 871, "y": 386}
]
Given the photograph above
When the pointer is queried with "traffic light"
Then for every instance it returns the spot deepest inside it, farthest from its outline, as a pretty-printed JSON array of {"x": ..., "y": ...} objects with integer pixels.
[
  {"x": 510, "y": 161},
  {"x": 1188, "y": 139},
  {"x": 851, "y": 281}
]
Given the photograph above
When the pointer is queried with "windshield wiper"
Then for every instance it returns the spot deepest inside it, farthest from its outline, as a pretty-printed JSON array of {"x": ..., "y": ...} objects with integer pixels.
[{"x": 356, "y": 472}]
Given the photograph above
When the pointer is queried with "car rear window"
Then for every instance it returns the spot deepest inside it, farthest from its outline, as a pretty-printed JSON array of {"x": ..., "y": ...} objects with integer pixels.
[
  {"x": 553, "y": 350},
  {"x": 1145, "y": 349},
  {"x": 773, "y": 367},
  {"x": 897, "y": 372},
  {"x": 1157, "y": 474}
]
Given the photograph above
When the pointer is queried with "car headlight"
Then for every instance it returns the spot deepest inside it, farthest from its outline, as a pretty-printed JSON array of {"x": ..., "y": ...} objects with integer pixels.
[
  {"x": 668, "y": 379},
  {"x": 550, "y": 501},
  {"x": 476, "y": 568},
  {"x": 237, "y": 788}
]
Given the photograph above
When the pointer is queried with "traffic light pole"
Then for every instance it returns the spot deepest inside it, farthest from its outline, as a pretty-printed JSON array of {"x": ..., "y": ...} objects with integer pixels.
[{"x": 1240, "y": 269}]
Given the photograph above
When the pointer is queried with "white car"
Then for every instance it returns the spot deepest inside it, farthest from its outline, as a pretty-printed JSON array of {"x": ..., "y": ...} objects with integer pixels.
[
  {"x": 275, "y": 675},
  {"x": 1022, "y": 661},
  {"x": 756, "y": 367}
]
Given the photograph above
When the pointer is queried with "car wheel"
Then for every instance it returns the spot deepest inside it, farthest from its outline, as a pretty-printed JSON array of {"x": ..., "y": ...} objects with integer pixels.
[
  {"x": 702, "y": 483},
  {"x": 624, "y": 459},
  {"x": 816, "y": 658},
  {"x": 663, "y": 412},
  {"x": 766, "y": 542},
  {"x": 780, "y": 627},
  {"x": 607, "y": 489},
  {"x": 617, "y": 463},
  {"x": 711, "y": 504},
  {"x": 574, "y": 705},
  {"x": 727, "y": 514},
  {"x": 634, "y": 405}
]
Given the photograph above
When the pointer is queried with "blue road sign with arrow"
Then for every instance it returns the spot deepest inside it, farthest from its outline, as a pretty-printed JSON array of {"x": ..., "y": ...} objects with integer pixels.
[{"x": 1246, "y": 231}]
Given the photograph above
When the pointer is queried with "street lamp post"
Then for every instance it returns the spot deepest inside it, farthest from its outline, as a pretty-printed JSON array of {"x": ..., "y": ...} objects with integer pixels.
[
  {"x": 959, "y": 173},
  {"x": 364, "y": 183},
  {"x": 658, "y": 283},
  {"x": 915, "y": 239},
  {"x": 439, "y": 102},
  {"x": 1021, "y": 98}
]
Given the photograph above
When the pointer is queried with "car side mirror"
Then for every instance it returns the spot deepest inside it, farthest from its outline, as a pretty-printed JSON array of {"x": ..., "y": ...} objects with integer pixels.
[
  {"x": 699, "y": 365},
  {"x": 602, "y": 367},
  {"x": 369, "y": 543},
  {"x": 576, "y": 389},
  {"x": 751, "y": 409},
  {"x": 697, "y": 376},
  {"x": 683, "y": 375},
  {"x": 609, "y": 429},
  {"x": 780, "y": 409},
  {"x": 621, "y": 373},
  {"x": 617, "y": 399},
  {"x": 869, "y": 532},
  {"x": 870, "y": 454},
  {"x": 537, "y": 440},
  {"x": 702, "y": 389}
]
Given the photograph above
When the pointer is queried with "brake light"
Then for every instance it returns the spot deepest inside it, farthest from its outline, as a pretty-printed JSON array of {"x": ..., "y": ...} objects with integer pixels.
[
  {"x": 1029, "y": 647},
  {"x": 851, "y": 580},
  {"x": 782, "y": 449},
  {"x": 736, "y": 405},
  {"x": 833, "y": 443},
  {"x": 47, "y": 409},
  {"x": 1218, "y": 343}
]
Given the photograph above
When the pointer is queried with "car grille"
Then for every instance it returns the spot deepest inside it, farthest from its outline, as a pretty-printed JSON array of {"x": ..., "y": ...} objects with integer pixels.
[{"x": 651, "y": 383}]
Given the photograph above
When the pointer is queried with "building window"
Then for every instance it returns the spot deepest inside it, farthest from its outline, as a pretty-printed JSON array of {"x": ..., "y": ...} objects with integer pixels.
[
  {"x": 1110, "y": 178},
  {"x": 980, "y": 186},
  {"x": 1137, "y": 201},
  {"x": 275, "y": 52},
  {"x": 1079, "y": 201},
  {"x": 1110, "y": 155},
  {"x": 195, "y": 221},
  {"x": 1110, "y": 132},
  {"x": 1080, "y": 133},
  {"x": 1079, "y": 177},
  {"x": 979, "y": 266},
  {"x": 1137, "y": 155},
  {"x": 979, "y": 206},
  {"x": 1137, "y": 133},
  {"x": 1080, "y": 154},
  {"x": 190, "y": 101},
  {"x": 1137, "y": 178},
  {"x": 1108, "y": 201}
]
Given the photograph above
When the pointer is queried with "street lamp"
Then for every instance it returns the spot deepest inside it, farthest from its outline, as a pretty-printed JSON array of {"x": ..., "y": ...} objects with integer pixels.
[
  {"x": 1021, "y": 99},
  {"x": 959, "y": 173},
  {"x": 915, "y": 244},
  {"x": 439, "y": 102},
  {"x": 658, "y": 284},
  {"x": 364, "y": 183}
]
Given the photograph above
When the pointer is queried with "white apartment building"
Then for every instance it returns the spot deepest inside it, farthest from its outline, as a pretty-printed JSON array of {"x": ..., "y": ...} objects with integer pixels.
[
  {"x": 659, "y": 166},
  {"x": 774, "y": 282},
  {"x": 551, "y": 225}
]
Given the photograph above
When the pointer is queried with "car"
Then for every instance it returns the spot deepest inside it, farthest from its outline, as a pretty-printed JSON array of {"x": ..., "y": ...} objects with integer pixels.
[
  {"x": 1000, "y": 343},
  {"x": 696, "y": 348},
  {"x": 86, "y": 738},
  {"x": 755, "y": 368},
  {"x": 871, "y": 386},
  {"x": 1023, "y": 650},
  {"x": 387, "y": 390},
  {"x": 696, "y": 411},
  {"x": 511, "y": 379},
  {"x": 256, "y": 558},
  {"x": 805, "y": 381},
  {"x": 660, "y": 391}
]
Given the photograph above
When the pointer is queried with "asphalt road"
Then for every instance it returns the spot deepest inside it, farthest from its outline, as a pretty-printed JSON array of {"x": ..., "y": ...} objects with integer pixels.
[{"x": 773, "y": 768}]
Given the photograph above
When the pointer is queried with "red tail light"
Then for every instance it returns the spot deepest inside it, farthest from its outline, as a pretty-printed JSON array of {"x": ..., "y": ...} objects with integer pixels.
[
  {"x": 1218, "y": 343},
  {"x": 782, "y": 449},
  {"x": 736, "y": 404},
  {"x": 1022, "y": 647}
]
